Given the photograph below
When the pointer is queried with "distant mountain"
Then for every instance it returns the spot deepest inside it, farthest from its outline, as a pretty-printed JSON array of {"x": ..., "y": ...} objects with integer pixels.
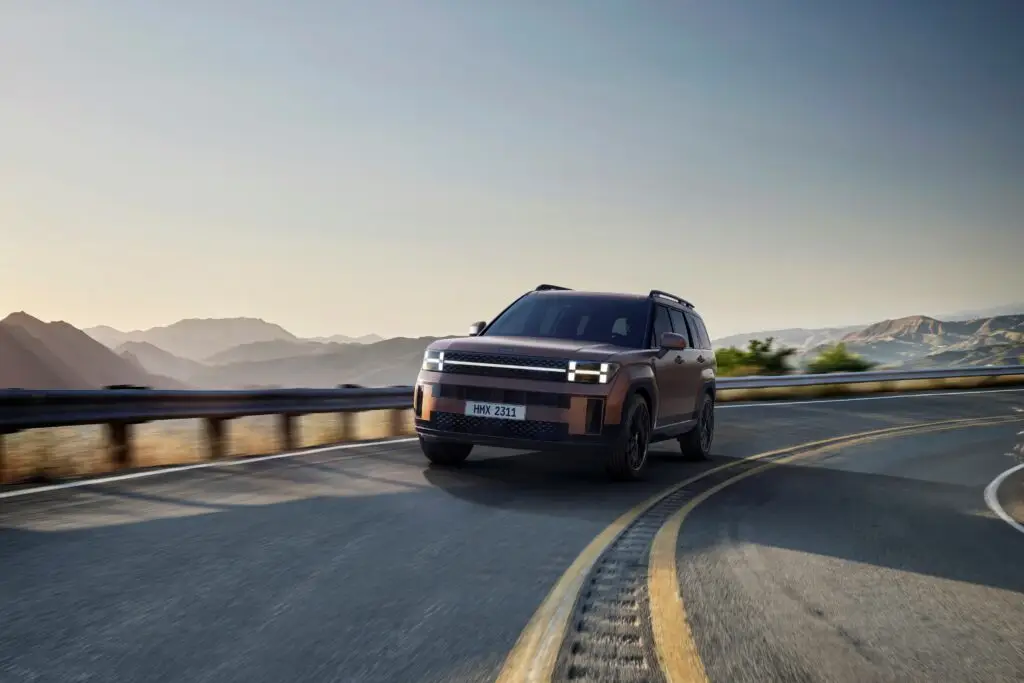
[
  {"x": 155, "y": 360},
  {"x": 197, "y": 338},
  {"x": 391, "y": 361},
  {"x": 798, "y": 338},
  {"x": 343, "y": 339},
  {"x": 993, "y": 312},
  {"x": 255, "y": 352},
  {"x": 39, "y": 355},
  {"x": 922, "y": 341}
]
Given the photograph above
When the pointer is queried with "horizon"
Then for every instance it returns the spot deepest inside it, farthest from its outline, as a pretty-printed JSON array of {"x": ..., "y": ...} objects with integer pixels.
[
  {"x": 949, "y": 317},
  {"x": 783, "y": 166}
]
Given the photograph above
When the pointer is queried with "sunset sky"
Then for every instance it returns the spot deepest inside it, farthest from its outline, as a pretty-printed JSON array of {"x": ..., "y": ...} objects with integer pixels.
[{"x": 409, "y": 167}]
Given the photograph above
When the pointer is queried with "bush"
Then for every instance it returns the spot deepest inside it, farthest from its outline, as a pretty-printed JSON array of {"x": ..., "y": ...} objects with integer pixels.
[
  {"x": 835, "y": 358},
  {"x": 758, "y": 359}
]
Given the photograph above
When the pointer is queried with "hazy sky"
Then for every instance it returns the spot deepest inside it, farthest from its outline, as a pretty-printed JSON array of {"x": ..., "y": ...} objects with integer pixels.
[{"x": 409, "y": 167}]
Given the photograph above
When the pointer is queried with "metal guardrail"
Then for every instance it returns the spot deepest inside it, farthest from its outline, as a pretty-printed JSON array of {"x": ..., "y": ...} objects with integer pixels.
[
  {"x": 32, "y": 409},
  {"x": 119, "y": 409},
  {"x": 29, "y": 409},
  {"x": 779, "y": 381}
]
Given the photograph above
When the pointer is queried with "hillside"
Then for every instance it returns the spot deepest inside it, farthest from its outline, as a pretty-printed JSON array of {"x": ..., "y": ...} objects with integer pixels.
[
  {"x": 196, "y": 338},
  {"x": 798, "y": 338},
  {"x": 344, "y": 339},
  {"x": 392, "y": 361},
  {"x": 39, "y": 355},
  {"x": 922, "y": 341},
  {"x": 157, "y": 361},
  {"x": 255, "y": 352}
]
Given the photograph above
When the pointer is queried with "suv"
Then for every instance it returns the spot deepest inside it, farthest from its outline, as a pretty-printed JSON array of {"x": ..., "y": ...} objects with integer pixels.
[{"x": 559, "y": 368}]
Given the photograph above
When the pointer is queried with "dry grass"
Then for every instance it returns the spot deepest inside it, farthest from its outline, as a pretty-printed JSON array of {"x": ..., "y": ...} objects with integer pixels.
[{"x": 80, "y": 451}]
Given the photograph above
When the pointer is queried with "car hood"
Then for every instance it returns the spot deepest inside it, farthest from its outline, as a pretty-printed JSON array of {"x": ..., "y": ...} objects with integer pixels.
[{"x": 529, "y": 346}]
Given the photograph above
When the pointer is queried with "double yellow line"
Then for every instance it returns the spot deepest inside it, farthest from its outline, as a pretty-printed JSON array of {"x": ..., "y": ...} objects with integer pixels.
[{"x": 532, "y": 659}]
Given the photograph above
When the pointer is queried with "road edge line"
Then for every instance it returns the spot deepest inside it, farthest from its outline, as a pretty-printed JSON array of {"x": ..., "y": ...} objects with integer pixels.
[
  {"x": 209, "y": 464},
  {"x": 669, "y": 623},
  {"x": 533, "y": 657},
  {"x": 992, "y": 498}
]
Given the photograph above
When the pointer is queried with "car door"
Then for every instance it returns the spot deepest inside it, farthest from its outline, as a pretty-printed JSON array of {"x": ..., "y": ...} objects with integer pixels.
[
  {"x": 667, "y": 370},
  {"x": 690, "y": 366}
]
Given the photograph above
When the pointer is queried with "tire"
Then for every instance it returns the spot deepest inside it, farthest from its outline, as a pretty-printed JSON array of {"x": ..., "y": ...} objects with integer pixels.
[
  {"x": 447, "y": 453},
  {"x": 696, "y": 443},
  {"x": 627, "y": 457}
]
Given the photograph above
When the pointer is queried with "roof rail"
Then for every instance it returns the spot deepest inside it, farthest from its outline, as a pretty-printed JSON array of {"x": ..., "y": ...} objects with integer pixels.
[
  {"x": 547, "y": 288},
  {"x": 673, "y": 297}
]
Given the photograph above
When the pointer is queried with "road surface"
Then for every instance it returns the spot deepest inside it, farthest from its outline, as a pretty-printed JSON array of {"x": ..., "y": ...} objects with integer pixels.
[{"x": 873, "y": 561}]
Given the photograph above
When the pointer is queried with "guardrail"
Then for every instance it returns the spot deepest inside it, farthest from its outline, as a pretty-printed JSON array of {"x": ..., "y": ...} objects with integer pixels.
[{"x": 120, "y": 409}]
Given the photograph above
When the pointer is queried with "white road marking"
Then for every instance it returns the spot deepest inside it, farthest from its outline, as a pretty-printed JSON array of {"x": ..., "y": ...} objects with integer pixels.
[
  {"x": 197, "y": 466},
  {"x": 312, "y": 451},
  {"x": 992, "y": 498},
  {"x": 886, "y": 397}
]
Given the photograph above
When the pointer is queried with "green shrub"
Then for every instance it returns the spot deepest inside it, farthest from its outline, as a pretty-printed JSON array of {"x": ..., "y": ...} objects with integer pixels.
[
  {"x": 836, "y": 358},
  {"x": 759, "y": 358}
]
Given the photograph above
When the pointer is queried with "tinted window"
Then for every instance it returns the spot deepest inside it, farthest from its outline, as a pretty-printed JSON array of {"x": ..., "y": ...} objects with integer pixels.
[
  {"x": 662, "y": 324},
  {"x": 700, "y": 331},
  {"x": 576, "y": 317},
  {"x": 679, "y": 325}
]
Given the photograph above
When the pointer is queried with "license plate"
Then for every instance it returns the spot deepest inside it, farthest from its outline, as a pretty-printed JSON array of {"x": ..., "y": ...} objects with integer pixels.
[{"x": 500, "y": 411}]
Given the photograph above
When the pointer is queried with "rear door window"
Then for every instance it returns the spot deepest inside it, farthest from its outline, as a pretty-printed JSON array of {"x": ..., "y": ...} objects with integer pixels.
[
  {"x": 700, "y": 331},
  {"x": 662, "y": 324}
]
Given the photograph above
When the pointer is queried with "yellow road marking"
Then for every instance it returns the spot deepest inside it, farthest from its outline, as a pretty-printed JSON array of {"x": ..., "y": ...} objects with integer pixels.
[
  {"x": 532, "y": 658},
  {"x": 673, "y": 641}
]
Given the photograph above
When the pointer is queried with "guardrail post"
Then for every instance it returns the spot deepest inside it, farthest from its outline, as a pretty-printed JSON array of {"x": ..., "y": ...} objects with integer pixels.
[
  {"x": 215, "y": 442},
  {"x": 287, "y": 424},
  {"x": 398, "y": 422},
  {"x": 347, "y": 427},
  {"x": 119, "y": 443}
]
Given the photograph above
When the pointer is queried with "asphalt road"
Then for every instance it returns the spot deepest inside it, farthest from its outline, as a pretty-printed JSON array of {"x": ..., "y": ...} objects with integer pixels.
[{"x": 878, "y": 562}]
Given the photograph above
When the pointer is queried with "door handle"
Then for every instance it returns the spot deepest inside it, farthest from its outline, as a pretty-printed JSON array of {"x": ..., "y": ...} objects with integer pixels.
[{"x": 679, "y": 359}]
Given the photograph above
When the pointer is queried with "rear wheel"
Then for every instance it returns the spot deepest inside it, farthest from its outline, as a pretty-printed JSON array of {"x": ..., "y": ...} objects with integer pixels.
[
  {"x": 628, "y": 455},
  {"x": 696, "y": 443},
  {"x": 445, "y": 452}
]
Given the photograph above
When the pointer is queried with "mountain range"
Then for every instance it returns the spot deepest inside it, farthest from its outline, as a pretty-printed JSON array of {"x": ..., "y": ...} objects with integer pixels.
[{"x": 235, "y": 353}]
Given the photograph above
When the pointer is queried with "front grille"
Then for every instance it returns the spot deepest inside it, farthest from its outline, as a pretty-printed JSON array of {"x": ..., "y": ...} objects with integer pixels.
[
  {"x": 496, "y": 395},
  {"x": 521, "y": 370},
  {"x": 514, "y": 429}
]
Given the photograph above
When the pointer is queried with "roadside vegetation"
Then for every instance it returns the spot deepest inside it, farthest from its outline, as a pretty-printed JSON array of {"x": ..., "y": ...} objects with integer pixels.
[
  {"x": 836, "y": 358},
  {"x": 761, "y": 357}
]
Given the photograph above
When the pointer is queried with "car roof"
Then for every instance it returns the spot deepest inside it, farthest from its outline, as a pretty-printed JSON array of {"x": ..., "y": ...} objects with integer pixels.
[{"x": 620, "y": 296}]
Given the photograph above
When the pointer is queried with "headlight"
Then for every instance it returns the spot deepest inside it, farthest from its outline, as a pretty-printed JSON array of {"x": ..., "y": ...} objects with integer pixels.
[
  {"x": 590, "y": 372},
  {"x": 433, "y": 360}
]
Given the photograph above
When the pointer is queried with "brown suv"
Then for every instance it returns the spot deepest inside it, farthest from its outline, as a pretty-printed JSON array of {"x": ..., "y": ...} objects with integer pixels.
[{"x": 559, "y": 368}]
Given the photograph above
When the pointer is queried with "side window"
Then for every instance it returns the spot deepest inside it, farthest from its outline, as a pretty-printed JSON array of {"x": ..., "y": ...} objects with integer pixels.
[
  {"x": 679, "y": 326},
  {"x": 661, "y": 325},
  {"x": 701, "y": 331}
]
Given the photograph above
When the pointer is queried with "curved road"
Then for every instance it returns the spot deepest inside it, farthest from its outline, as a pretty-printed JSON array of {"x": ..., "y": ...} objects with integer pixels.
[{"x": 872, "y": 561}]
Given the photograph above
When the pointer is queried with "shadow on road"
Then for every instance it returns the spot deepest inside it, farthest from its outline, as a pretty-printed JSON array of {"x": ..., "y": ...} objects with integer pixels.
[{"x": 936, "y": 529}]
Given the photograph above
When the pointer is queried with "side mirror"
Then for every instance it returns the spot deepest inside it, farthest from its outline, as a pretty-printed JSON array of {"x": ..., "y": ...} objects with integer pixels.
[
  {"x": 477, "y": 328},
  {"x": 674, "y": 341}
]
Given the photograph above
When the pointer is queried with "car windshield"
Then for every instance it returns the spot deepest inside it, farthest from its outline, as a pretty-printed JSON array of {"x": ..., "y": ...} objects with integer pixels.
[{"x": 597, "y": 319}]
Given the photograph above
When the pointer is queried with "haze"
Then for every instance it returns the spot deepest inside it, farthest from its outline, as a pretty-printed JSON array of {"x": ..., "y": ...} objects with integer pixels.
[{"x": 406, "y": 168}]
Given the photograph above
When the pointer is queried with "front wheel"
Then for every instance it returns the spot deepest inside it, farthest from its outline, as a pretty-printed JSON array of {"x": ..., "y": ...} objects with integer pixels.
[
  {"x": 446, "y": 453},
  {"x": 696, "y": 443},
  {"x": 628, "y": 455}
]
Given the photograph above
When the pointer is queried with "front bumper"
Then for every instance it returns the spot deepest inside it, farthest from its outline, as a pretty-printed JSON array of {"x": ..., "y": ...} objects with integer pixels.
[{"x": 558, "y": 415}]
